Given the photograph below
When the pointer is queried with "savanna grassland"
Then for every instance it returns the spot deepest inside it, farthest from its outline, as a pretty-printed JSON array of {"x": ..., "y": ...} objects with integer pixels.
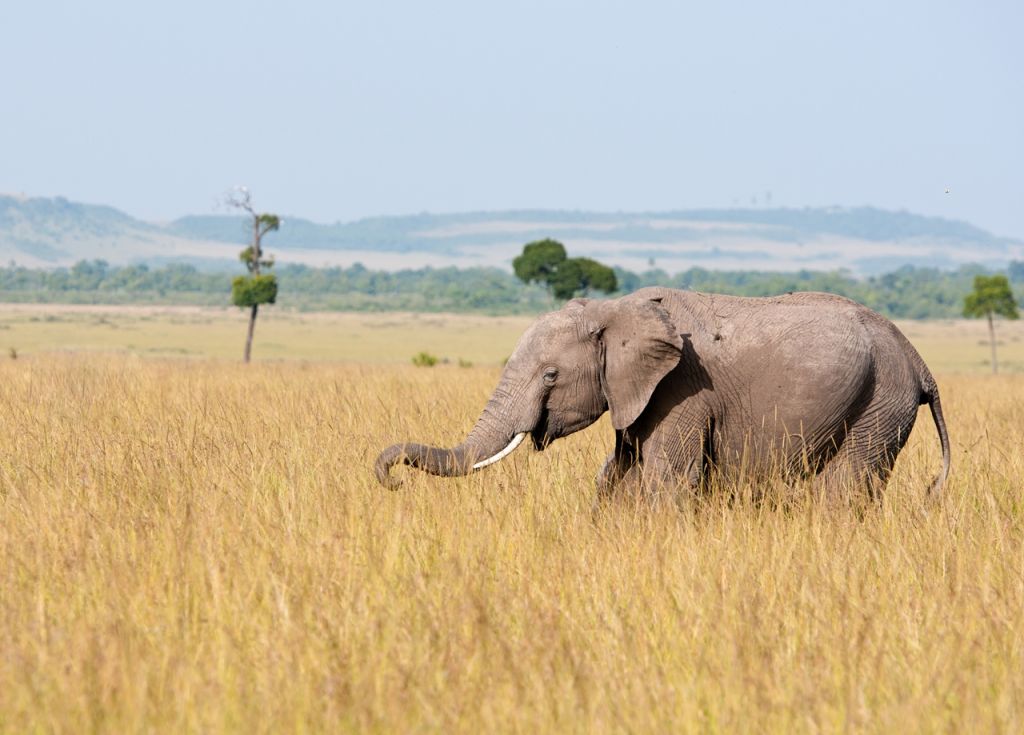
[{"x": 191, "y": 545}]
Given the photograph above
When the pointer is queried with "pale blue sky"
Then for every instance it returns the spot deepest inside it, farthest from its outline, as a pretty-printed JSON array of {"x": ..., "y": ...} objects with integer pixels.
[{"x": 340, "y": 110}]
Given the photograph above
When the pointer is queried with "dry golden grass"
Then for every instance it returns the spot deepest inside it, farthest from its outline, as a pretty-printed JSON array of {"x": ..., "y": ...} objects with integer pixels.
[{"x": 190, "y": 546}]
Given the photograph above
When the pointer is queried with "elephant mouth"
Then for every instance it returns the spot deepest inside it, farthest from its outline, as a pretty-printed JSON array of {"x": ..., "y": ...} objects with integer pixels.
[{"x": 540, "y": 436}]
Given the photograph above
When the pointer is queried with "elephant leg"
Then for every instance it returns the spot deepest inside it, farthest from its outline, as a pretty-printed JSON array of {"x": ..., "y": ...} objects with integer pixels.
[
  {"x": 679, "y": 458},
  {"x": 673, "y": 455},
  {"x": 846, "y": 477},
  {"x": 865, "y": 460},
  {"x": 677, "y": 461},
  {"x": 619, "y": 462},
  {"x": 619, "y": 473}
]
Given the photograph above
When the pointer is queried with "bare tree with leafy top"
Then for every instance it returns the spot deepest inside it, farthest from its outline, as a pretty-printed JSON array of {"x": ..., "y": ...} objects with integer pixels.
[
  {"x": 257, "y": 287},
  {"x": 991, "y": 297}
]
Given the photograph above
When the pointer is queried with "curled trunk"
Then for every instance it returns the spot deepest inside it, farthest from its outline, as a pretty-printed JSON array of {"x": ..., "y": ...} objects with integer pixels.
[
  {"x": 436, "y": 461},
  {"x": 498, "y": 431}
]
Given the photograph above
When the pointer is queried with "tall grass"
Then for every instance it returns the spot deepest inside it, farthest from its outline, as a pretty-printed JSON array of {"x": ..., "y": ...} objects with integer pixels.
[{"x": 196, "y": 546}]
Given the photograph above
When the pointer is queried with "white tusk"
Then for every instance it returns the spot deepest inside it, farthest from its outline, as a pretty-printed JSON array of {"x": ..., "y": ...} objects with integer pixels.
[{"x": 516, "y": 441}]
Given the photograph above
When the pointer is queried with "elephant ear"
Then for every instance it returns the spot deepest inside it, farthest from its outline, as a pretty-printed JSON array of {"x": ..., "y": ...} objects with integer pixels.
[{"x": 639, "y": 345}]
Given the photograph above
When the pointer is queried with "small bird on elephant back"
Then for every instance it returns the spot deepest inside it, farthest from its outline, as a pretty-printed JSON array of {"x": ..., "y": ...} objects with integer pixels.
[{"x": 809, "y": 385}]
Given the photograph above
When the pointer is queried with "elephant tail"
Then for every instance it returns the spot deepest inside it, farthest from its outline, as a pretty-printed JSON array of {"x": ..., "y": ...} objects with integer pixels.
[{"x": 930, "y": 396}]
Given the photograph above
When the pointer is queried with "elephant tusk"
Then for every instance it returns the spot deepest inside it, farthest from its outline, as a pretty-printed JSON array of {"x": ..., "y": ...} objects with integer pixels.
[{"x": 516, "y": 441}]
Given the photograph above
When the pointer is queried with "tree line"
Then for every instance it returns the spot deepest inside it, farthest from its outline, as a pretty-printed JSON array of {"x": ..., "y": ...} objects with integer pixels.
[{"x": 906, "y": 293}]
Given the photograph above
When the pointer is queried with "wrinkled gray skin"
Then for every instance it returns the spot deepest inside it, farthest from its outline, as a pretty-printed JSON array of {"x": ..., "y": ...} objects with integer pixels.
[{"x": 807, "y": 384}]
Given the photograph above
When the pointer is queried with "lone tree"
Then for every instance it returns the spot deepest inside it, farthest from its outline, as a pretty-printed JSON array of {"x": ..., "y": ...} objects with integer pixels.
[
  {"x": 991, "y": 296},
  {"x": 545, "y": 261},
  {"x": 256, "y": 288}
]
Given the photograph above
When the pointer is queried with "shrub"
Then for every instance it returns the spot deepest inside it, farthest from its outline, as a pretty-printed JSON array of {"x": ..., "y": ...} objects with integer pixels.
[{"x": 424, "y": 359}]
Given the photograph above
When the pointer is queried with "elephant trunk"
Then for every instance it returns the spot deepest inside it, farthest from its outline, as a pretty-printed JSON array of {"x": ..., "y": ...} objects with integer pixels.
[
  {"x": 494, "y": 437},
  {"x": 454, "y": 462}
]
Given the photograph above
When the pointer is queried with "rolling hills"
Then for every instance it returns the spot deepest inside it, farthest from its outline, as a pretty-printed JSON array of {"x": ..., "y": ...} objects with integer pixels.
[{"x": 56, "y": 232}]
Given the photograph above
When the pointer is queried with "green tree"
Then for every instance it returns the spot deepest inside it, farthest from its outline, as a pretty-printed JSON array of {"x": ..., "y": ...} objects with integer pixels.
[
  {"x": 597, "y": 276},
  {"x": 545, "y": 261},
  {"x": 567, "y": 280},
  {"x": 256, "y": 288},
  {"x": 540, "y": 261},
  {"x": 991, "y": 297}
]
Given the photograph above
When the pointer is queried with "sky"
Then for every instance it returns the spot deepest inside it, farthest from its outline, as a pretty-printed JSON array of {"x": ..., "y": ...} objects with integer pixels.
[{"x": 335, "y": 111}]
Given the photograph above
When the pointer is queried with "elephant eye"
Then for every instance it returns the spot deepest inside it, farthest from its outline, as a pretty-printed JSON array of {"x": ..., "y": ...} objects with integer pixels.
[{"x": 549, "y": 376}]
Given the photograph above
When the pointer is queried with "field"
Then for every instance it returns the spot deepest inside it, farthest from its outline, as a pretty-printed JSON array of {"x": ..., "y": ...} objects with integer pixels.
[
  {"x": 391, "y": 338},
  {"x": 194, "y": 332},
  {"x": 191, "y": 545}
]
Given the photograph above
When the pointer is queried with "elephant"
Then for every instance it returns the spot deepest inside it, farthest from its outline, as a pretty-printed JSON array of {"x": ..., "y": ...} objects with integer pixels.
[{"x": 805, "y": 385}]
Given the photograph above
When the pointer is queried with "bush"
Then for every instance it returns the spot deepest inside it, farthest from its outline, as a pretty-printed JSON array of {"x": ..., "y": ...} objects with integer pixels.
[{"x": 424, "y": 359}]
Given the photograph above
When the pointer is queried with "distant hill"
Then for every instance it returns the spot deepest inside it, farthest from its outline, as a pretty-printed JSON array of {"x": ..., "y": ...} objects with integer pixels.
[
  {"x": 52, "y": 232},
  {"x": 865, "y": 240}
]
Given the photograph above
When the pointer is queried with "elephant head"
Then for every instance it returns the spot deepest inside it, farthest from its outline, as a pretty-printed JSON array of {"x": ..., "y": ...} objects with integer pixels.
[{"x": 567, "y": 369}]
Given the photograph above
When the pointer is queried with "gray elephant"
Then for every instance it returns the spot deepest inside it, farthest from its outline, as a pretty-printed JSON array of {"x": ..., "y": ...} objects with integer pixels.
[{"x": 806, "y": 385}]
